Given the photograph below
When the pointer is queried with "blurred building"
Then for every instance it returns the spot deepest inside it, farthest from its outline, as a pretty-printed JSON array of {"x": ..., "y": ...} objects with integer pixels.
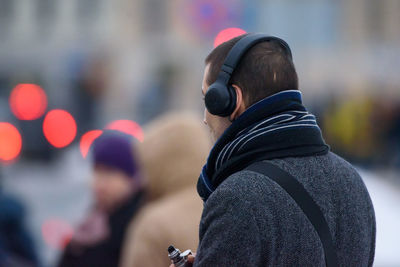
[
  {"x": 132, "y": 59},
  {"x": 103, "y": 60}
]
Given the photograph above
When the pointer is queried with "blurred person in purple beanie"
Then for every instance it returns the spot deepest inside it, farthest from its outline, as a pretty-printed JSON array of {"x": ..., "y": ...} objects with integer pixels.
[{"x": 118, "y": 195}]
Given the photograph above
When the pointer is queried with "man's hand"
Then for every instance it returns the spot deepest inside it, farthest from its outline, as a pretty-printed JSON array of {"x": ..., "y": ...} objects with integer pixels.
[{"x": 190, "y": 260}]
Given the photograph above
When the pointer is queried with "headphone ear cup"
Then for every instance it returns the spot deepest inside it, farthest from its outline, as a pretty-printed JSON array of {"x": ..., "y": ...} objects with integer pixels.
[
  {"x": 217, "y": 98},
  {"x": 220, "y": 100}
]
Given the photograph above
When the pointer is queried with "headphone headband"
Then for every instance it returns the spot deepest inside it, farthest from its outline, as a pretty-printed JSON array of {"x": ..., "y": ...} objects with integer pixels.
[
  {"x": 240, "y": 48},
  {"x": 220, "y": 98}
]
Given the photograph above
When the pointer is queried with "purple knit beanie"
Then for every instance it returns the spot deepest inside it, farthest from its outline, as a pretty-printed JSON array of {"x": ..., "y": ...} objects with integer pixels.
[{"x": 115, "y": 150}]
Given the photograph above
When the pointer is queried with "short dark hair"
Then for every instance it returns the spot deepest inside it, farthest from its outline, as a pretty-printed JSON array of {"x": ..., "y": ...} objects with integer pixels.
[{"x": 264, "y": 70}]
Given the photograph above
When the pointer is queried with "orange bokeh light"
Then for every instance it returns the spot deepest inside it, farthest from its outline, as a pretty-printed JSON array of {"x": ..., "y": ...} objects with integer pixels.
[
  {"x": 28, "y": 101},
  {"x": 87, "y": 140},
  {"x": 227, "y": 34},
  {"x": 59, "y": 128},
  {"x": 57, "y": 233},
  {"x": 128, "y": 127},
  {"x": 10, "y": 142}
]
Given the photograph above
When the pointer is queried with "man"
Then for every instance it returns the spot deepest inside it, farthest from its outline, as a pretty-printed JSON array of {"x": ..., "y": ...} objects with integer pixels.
[
  {"x": 118, "y": 195},
  {"x": 248, "y": 219}
]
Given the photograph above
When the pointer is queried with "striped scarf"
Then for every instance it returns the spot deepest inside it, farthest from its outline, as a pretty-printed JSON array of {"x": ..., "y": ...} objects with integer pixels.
[{"x": 276, "y": 127}]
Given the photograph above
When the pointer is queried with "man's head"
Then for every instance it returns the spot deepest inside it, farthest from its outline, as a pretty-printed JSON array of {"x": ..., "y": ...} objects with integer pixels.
[
  {"x": 115, "y": 174},
  {"x": 264, "y": 70}
]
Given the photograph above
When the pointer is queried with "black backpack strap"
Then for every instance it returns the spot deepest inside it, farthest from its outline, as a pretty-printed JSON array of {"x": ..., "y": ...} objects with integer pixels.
[{"x": 305, "y": 202}]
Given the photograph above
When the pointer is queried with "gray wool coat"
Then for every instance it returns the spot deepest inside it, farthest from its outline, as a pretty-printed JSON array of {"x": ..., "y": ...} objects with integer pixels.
[{"x": 251, "y": 221}]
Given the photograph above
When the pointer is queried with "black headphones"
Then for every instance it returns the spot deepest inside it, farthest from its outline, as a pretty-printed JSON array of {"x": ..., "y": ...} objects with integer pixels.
[{"x": 220, "y": 98}]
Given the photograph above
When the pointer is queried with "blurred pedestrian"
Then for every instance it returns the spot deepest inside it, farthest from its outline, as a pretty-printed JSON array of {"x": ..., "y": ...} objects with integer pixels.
[
  {"x": 171, "y": 155},
  {"x": 118, "y": 195},
  {"x": 16, "y": 244}
]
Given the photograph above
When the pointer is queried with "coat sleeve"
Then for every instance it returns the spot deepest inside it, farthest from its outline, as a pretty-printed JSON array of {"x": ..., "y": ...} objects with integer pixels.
[{"x": 229, "y": 235}]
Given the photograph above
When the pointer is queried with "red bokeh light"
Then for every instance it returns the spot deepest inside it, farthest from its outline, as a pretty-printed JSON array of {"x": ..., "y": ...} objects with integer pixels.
[
  {"x": 59, "y": 128},
  {"x": 227, "y": 34},
  {"x": 57, "y": 233},
  {"x": 10, "y": 142},
  {"x": 28, "y": 101},
  {"x": 87, "y": 140},
  {"x": 128, "y": 127}
]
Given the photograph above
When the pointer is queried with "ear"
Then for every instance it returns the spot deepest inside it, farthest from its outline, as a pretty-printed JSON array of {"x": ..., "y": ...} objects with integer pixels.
[{"x": 240, "y": 106}]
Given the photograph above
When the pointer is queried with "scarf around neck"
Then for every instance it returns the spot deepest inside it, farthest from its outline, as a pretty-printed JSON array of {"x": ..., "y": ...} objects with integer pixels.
[{"x": 276, "y": 127}]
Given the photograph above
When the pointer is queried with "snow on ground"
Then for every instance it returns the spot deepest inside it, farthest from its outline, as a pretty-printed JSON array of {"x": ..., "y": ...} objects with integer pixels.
[{"x": 385, "y": 195}]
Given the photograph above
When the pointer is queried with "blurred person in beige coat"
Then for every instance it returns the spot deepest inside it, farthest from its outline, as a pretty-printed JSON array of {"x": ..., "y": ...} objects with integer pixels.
[{"x": 171, "y": 155}]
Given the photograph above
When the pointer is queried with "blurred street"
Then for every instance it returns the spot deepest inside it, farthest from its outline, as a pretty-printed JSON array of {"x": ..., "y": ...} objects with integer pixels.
[
  {"x": 45, "y": 188},
  {"x": 59, "y": 191}
]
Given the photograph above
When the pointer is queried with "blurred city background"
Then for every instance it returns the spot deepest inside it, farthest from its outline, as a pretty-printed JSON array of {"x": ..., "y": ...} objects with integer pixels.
[{"x": 88, "y": 65}]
